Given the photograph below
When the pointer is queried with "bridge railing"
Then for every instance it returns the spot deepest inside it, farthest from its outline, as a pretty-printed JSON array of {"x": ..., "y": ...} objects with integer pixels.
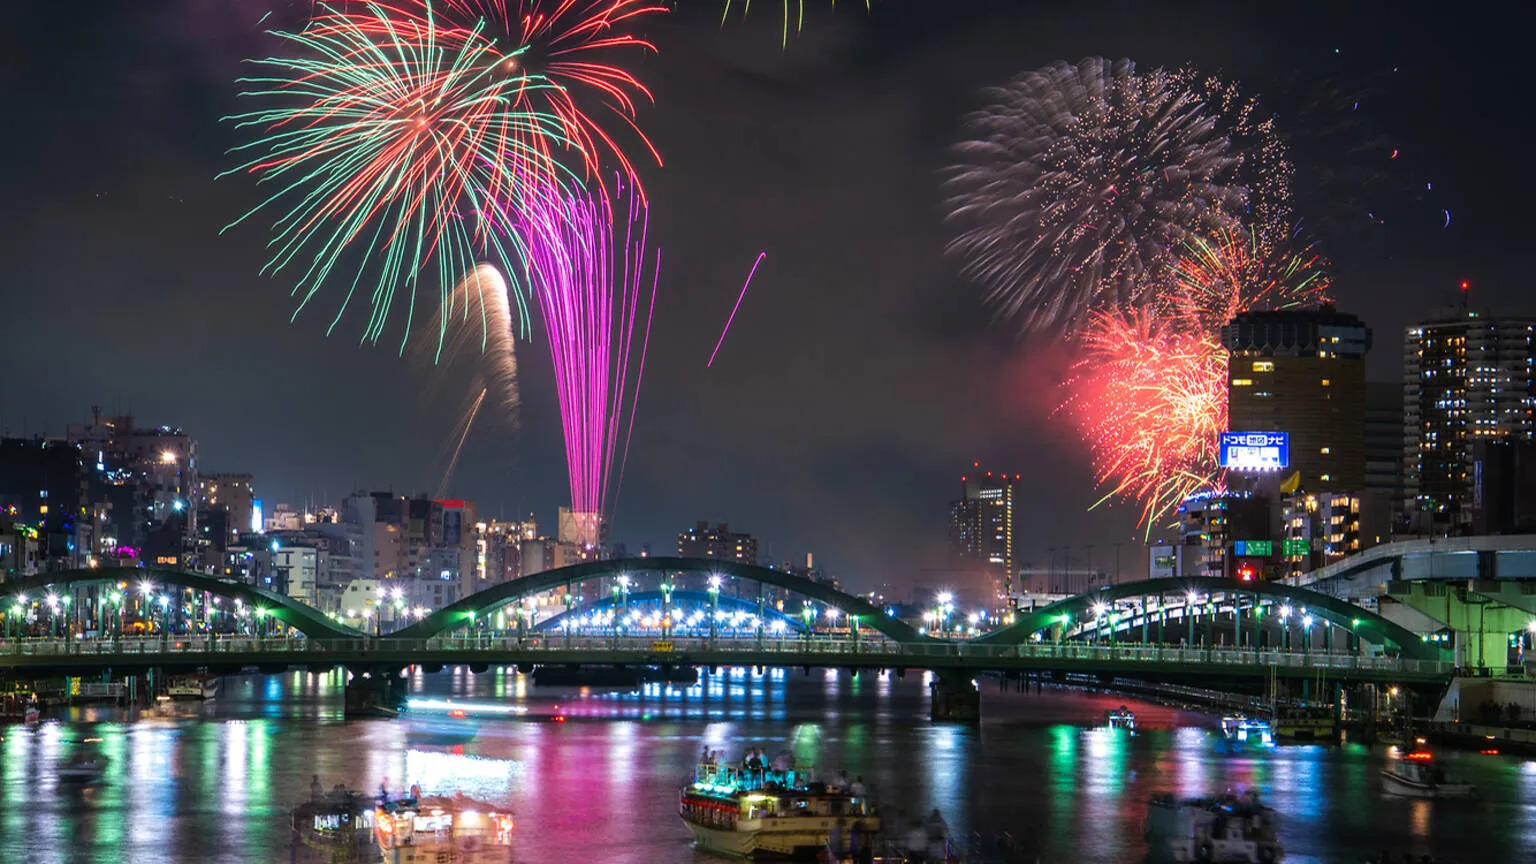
[{"x": 691, "y": 650}]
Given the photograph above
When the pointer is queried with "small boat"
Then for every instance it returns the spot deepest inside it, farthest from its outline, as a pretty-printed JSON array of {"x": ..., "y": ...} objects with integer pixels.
[
  {"x": 420, "y": 830},
  {"x": 1416, "y": 776},
  {"x": 1120, "y": 718},
  {"x": 82, "y": 770},
  {"x": 1241, "y": 728},
  {"x": 202, "y": 687},
  {"x": 339, "y": 824},
  {"x": 19, "y": 707},
  {"x": 764, "y": 813},
  {"x": 1235, "y": 829}
]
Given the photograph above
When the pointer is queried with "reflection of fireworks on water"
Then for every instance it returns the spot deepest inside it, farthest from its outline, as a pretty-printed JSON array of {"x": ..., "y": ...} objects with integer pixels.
[
  {"x": 1150, "y": 392},
  {"x": 1078, "y": 184},
  {"x": 1150, "y": 397}
]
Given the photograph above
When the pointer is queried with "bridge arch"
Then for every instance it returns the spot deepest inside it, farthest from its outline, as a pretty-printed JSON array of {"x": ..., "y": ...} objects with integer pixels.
[
  {"x": 457, "y": 614},
  {"x": 726, "y": 603},
  {"x": 1367, "y": 624},
  {"x": 301, "y": 617}
]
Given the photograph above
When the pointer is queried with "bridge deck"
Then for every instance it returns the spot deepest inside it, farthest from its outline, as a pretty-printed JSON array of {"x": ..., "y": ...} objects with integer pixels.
[{"x": 1156, "y": 662}]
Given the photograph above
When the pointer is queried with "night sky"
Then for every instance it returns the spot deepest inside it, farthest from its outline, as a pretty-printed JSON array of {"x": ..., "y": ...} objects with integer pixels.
[{"x": 860, "y": 378}]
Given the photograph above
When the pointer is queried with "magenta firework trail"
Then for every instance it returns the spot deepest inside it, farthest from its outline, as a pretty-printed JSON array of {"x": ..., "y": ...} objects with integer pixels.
[
  {"x": 587, "y": 267},
  {"x": 739, "y": 298}
]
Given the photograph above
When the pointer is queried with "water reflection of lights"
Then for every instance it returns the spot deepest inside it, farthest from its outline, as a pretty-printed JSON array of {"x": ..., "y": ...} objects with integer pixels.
[{"x": 446, "y": 773}]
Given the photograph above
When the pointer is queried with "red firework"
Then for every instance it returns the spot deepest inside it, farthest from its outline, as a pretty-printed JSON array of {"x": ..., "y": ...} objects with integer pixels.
[{"x": 570, "y": 43}]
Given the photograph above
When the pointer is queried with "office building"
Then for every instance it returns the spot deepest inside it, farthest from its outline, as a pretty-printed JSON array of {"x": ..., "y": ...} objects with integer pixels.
[
  {"x": 1504, "y": 487},
  {"x": 981, "y": 525},
  {"x": 45, "y": 507},
  {"x": 1302, "y": 372},
  {"x": 231, "y": 492},
  {"x": 147, "y": 476},
  {"x": 1467, "y": 378},
  {"x": 719, "y": 542},
  {"x": 1318, "y": 530},
  {"x": 1227, "y": 534}
]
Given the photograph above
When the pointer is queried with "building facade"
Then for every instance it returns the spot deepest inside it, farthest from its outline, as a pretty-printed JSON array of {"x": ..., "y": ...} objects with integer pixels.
[
  {"x": 1467, "y": 379},
  {"x": 719, "y": 542},
  {"x": 1302, "y": 372},
  {"x": 981, "y": 525}
]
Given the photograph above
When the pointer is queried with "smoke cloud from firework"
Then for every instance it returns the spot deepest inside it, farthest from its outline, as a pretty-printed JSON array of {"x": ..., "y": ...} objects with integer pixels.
[{"x": 1077, "y": 186}]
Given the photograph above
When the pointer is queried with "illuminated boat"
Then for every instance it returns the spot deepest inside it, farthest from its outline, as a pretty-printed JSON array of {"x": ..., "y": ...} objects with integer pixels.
[
  {"x": 339, "y": 824},
  {"x": 1417, "y": 776},
  {"x": 432, "y": 830},
  {"x": 1120, "y": 718},
  {"x": 19, "y": 707},
  {"x": 1248, "y": 730},
  {"x": 82, "y": 770},
  {"x": 193, "y": 687},
  {"x": 1229, "y": 829},
  {"x": 768, "y": 815}
]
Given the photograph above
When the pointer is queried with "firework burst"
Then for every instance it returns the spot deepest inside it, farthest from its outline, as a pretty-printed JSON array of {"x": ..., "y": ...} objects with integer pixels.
[
  {"x": 388, "y": 138},
  {"x": 1078, "y": 185},
  {"x": 571, "y": 43},
  {"x": 794, "y": 14},
  {"x": 481, "y": 328},
  {"x": 1149, "y": 396}
]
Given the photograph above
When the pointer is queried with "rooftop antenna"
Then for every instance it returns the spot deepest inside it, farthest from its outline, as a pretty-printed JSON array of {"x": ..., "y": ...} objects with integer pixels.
[{"x": 1466, "y": 297}]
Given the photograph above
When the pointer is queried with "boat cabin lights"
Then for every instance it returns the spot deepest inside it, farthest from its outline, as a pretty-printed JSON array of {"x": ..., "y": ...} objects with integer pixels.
[{"x": 1419, "y": 756}]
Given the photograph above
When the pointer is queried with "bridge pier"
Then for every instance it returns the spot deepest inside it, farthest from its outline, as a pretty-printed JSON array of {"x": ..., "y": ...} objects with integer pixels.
[
  {"x": 374, "y": 693},
  {"x": 954, "y": 698}
]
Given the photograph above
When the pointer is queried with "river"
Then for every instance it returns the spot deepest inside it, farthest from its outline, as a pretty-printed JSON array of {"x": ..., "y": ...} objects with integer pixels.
[{"x": 217, "y": 781}]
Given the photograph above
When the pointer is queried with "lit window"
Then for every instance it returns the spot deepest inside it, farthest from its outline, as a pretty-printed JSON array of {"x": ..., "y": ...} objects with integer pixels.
[
  {"x": 1325, "y": 451},
  {"x": 1263, "y": 366},
  {"x": 1327, "y": 383},
  {"x": 1242, "y": 382}
]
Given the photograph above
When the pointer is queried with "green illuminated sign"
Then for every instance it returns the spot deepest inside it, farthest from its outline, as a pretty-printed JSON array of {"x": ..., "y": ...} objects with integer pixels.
[
  {"x": 1253, "y": 548},
  {"x": 1296, "y": 547}
]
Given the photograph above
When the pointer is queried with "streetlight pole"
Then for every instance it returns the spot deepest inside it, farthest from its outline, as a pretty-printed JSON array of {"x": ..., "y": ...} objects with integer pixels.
[{"x": 714, "y": 607}]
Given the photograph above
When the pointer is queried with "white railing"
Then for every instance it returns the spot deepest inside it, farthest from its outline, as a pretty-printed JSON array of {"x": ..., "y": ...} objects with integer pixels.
[{"x": 697, "y": 650}]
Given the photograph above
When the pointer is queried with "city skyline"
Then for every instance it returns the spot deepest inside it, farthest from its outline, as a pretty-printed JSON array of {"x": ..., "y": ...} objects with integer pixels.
[{"x": 861, "y": 411}]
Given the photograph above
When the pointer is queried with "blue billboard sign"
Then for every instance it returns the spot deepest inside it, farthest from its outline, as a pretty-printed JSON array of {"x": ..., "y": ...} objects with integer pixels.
[{"x": 1255, "y": 451}]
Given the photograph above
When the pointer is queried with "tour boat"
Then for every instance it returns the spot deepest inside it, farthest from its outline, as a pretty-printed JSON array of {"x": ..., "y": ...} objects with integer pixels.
[
  {"x": 766, "y": 814},
  {"x": 1228, "y": 829},
  {"x": 1244, "y": 729},
  {"x": 1120, "y": 718},
  {"x": 1416, "y": 776},
  {"x": 428, "y": 830},
  {"x": 339, "y": 824},
  {"x": 193, "y": 687},
  {"x": 19, "y": 707}
]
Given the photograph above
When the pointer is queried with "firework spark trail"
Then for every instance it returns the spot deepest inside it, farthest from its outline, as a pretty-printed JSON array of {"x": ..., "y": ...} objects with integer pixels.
[
  {"x": 739, "y": 298},
  {"x": 1078, "y": 185},
  {"x": 469, "y": 422},
  {"x": 588, "y": 280},
  {"x": 794, "y": 10},
  {"x": 389, "y": 138}
]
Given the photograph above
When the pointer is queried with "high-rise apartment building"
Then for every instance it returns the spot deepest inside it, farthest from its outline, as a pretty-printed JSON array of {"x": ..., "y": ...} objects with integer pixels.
[
  {"x": 702, "y": 541},
  {"x": 981, "y": 523},
  {"x": 1466, "y": 379},
  {"x": 1302, "y": 372}
]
